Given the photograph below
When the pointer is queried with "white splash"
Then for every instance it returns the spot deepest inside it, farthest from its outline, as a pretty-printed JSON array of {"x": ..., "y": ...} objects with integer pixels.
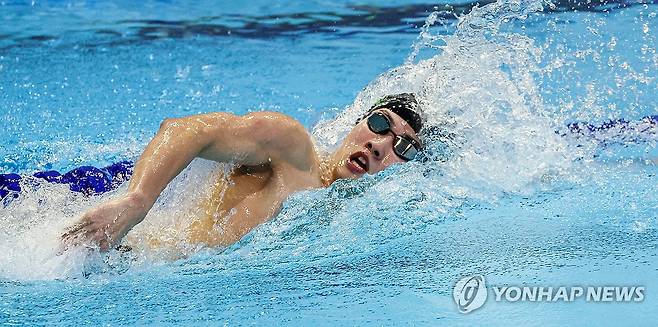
[{"x": 480, "y": 87}]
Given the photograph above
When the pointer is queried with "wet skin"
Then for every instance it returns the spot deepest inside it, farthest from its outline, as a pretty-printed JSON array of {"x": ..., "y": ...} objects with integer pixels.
[{"x": 273, "y": 156}]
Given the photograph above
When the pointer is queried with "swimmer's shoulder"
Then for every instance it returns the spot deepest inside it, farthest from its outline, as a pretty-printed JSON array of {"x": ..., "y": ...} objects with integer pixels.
[{"x": 284, "y": 135}]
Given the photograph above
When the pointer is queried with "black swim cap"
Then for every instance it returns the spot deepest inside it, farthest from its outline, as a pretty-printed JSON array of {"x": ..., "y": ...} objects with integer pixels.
[{"x": 404, "y": 105}]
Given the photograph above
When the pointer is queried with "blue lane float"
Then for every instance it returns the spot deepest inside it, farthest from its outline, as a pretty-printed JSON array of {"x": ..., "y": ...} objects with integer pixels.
[
  {"x": 90, "y": 180},
  {"x": 638, "y": 127}
]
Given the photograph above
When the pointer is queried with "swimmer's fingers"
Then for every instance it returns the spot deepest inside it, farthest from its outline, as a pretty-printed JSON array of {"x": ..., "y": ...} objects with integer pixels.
[
  {"x": 75, "y": 230},
  {"x": 75, "y": 235},
  {"x": 104, "y": 245},
  {"x": 103, "y": 239},
  {"x": 72, "y": 240},
  {"x": 110, "y": 239}
]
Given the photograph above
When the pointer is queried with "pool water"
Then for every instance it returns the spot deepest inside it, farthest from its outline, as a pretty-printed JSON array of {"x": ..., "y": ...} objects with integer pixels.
[{"x": 88, "y": 83}]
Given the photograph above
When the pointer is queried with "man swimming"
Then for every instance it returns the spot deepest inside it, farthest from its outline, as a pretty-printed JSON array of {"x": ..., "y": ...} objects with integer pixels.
[{"x": 273, "y": 157}]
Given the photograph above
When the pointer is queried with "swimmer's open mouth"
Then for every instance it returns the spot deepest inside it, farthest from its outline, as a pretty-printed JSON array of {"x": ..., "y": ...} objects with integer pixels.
[{"x": 361, "y": 160}]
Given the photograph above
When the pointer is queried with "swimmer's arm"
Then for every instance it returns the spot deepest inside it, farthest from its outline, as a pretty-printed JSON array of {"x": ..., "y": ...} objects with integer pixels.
[{"x": 252, "y": 139}]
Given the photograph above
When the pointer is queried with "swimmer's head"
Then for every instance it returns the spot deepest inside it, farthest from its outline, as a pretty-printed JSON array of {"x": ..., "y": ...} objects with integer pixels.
[
  {"x": 385, "y": 135},
  {"x": 404, "y": 105}
]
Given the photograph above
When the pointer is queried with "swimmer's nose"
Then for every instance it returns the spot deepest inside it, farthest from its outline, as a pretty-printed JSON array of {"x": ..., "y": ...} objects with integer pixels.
[{"x": 377, "y": 148}]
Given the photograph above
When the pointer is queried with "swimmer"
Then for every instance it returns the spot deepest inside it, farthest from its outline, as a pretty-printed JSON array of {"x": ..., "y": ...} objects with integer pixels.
[{"x": 273, "y": 157}]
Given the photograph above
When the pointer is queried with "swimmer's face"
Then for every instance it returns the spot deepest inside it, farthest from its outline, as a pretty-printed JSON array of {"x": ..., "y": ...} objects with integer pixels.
[{"x": 366, "y": 152}]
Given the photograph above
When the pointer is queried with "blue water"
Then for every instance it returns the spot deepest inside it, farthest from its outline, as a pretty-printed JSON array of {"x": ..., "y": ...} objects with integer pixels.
[{"x": 87, "y": 83}]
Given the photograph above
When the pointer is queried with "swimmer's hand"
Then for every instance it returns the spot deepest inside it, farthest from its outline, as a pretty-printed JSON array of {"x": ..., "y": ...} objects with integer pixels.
[{"x": 105, "y": 225}]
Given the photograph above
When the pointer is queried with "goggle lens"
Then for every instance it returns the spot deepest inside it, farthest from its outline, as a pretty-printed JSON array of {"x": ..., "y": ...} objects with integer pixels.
[
  {"x": 403, "y": 147},
  {"x": 379, "y": 124}
]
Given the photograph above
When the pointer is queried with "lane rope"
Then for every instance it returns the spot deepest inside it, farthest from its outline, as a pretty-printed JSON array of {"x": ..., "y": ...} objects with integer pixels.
[{"x": 91, "y": 180}]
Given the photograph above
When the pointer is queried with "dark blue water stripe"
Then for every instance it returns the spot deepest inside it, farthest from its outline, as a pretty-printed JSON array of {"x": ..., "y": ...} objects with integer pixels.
[{"x": 360, "y": 19}]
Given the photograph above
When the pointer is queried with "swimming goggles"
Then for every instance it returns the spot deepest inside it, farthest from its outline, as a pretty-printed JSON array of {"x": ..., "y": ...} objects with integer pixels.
[{"x": 403, "y": 146}]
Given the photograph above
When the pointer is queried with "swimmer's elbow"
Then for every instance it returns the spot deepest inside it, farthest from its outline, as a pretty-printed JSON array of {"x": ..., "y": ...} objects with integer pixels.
[
  {"x": 167, "y": 123},
  {"x": 187, "y": 132}
]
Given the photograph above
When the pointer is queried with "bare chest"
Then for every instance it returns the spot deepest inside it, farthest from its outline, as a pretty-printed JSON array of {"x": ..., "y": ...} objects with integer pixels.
[
  {"x": 244, "y": 199},
  {"x": 228, "y": 191}
]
